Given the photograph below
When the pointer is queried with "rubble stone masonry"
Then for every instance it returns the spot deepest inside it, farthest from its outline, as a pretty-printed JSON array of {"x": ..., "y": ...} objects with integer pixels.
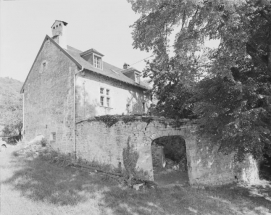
[
  {"x": 49, "y": 98},
  {"x": 99, "y": 142}
]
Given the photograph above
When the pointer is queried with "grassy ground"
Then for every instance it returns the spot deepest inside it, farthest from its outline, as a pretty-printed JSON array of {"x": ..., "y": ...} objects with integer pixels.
[{"x": 42, "y": 181}]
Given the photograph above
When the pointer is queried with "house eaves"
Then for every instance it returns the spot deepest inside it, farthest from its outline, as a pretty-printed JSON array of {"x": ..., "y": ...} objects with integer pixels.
[{"x": 81, "y": 63}]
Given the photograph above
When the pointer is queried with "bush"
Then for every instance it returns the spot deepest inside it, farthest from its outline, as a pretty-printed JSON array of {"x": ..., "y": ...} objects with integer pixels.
[
  {"x": 43, "y": 142},
  {"x": 12, "y": 133}
]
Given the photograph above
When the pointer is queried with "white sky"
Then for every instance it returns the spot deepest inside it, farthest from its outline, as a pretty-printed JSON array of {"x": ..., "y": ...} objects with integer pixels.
[{"x": 100, "y": 24}]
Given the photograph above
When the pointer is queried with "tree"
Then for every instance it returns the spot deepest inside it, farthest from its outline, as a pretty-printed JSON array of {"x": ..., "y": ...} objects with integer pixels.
[
  {"x": 11, "y": 107},
  {"x": 229, "y": 87}
]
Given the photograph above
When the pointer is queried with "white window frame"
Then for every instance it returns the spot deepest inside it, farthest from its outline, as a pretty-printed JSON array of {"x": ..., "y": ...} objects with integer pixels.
[
  {"x": 98, "y": 57},
  {"x": 108, "y": 103},
  {"x": 137, "y": 78},
  {"x": 105, "y": 93},
  {"x": 102, "y": 100}
]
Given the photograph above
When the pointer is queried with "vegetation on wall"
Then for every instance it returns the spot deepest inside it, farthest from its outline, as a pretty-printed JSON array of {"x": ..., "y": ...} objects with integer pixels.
[
  {"x": 11, "y": 103},
  {"x": 111, "y": 120},
  {"x": 228, "y": 87},
  {"x": 130, "y": 157}
]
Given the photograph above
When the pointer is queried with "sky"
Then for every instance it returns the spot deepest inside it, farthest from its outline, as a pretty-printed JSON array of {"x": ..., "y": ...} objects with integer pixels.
[{"x": 99, "y": 24}]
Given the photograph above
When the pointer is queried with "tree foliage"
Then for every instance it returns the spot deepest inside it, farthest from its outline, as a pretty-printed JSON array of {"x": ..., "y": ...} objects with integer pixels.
[
  {"x": 11, "y": 103},
  {"x": 227, "y": 87}
]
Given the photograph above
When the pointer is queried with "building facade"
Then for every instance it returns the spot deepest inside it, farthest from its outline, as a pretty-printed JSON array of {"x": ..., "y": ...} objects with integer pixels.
[{"x": 65, "y": 85}]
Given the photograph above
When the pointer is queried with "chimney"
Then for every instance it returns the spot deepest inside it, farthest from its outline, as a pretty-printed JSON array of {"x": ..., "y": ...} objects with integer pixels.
[
  {"x": 59, "y": 33},
  {"x": 126, "y": 66}
]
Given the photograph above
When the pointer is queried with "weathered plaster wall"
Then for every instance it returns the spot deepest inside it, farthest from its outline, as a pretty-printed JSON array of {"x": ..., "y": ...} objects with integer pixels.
[
  {"x": 120, "y": 94},
  {"x": 98, "y": 142},
  {"x": 48, "y": 98}
]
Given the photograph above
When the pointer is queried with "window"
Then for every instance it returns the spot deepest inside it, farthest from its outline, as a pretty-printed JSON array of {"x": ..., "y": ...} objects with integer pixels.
[
  {"x": 137, "y": 78},
  {"x": 43, "y": 67},
  {"x": 128, "y": 108},
  {"x": 144, "y": 109},
  {"x": 104, "y": 97},
  {"x": 102, "y": 101},
  {"x": 53, "y": 137},
  {"x": 97, "y": 62}
]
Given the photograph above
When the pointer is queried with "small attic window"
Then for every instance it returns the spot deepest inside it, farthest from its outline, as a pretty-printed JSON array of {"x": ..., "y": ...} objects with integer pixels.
[
  {"x": 137, "y": 78},
  {"x": 43, "y": 67},
  {"x": 59, "y": 24},
  {"x": 97, "y": 61},
  {"x": 54, "y": 27}
]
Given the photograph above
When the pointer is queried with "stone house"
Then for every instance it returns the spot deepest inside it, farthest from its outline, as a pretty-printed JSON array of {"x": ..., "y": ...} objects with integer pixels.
[{"x": 65, "y": 85}]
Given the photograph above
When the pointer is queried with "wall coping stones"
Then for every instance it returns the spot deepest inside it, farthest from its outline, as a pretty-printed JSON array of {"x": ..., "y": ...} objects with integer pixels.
[{"x": 110, "y": 120}]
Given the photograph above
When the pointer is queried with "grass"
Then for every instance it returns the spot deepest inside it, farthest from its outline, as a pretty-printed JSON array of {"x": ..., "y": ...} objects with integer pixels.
[{"x": 42, "y": 181}]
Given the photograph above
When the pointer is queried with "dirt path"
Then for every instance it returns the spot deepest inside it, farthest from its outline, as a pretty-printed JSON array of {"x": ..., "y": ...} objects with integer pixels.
[{"x": 13, "y": 203}]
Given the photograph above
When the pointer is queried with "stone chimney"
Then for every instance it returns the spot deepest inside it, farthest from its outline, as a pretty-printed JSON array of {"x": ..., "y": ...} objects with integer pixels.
[
  {"x": 59, "y": 33},
  {"x": 126, "y": 66}
]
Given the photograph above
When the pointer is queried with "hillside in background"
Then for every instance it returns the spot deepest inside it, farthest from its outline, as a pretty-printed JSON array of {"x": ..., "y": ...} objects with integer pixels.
[{"x": 10, "y": 100}]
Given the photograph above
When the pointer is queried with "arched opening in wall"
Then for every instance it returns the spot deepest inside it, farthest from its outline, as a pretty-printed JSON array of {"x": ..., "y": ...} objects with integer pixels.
[{"x": 169, "y": 160}]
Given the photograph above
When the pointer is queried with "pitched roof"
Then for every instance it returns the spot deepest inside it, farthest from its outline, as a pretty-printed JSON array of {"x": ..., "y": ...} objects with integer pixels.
[
  {"x": 51, "y": 40},
  {"x": 130, "y": 69},
  {"x": 108, "y": 69},
  {"x": 91, "y": 51}
]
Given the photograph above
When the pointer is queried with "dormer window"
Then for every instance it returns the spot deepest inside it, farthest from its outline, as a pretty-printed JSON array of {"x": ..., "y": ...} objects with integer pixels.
[
  {"x": 97, "y": 61},
  {"x": 93, "y": 57},
  {"x": 137, "y": 78}
]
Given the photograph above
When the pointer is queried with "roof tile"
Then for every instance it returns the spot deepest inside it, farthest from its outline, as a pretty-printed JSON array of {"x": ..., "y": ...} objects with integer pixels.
[{"x": 108, "y": 69}]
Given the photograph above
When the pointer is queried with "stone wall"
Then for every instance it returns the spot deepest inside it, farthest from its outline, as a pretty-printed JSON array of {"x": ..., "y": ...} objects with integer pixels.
[
  {"x": 49, "y": 98},
  {"x": 96, "y": 141}
]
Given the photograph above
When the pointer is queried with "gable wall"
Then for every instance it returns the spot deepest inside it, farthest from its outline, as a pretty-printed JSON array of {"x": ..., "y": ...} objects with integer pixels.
[
  {"x": 48, "y": 98},
  {"x": 88, "y": 97}
]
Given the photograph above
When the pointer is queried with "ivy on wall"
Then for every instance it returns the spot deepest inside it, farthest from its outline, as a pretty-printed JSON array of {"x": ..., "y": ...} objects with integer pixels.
[{"x": 111, "y": 120}]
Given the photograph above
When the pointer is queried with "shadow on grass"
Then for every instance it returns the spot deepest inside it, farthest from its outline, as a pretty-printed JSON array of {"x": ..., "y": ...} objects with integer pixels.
[{"x": 40, "y": 180}]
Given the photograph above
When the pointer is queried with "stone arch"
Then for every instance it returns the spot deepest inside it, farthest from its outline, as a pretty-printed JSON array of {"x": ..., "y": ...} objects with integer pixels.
[
  {"x": 168, "y": 147},
  {"x": 165, "y": 128},
  {"x": 169, "y": 158},
  {"x": 104, "y": 143}
]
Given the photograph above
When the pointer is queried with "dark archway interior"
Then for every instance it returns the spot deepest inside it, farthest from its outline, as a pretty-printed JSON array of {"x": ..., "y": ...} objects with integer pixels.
[
  {"x": 169, "y": 160},
  {"x": 265, "y": 168}
]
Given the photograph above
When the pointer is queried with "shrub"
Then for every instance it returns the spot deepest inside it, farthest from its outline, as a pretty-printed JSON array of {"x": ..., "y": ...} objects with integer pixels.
[{"x": 43, "y": 142}]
